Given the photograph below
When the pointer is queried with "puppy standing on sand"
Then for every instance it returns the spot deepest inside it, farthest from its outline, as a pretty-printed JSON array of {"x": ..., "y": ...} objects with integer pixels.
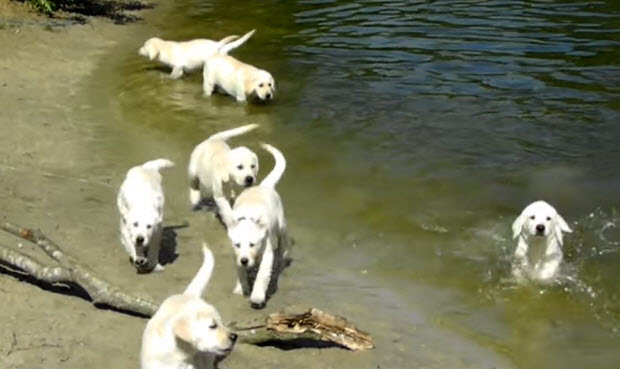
[
  {"x": 539, "y": 252},
  {"x": 257, "y": 229},
  {"x": 188, "y": 55},
  {"x": 141, "y": 204},
  {"x": 186, "y": 332},
  {"x": 240, "y": 80},
  {"x": 213, "y": 163}
]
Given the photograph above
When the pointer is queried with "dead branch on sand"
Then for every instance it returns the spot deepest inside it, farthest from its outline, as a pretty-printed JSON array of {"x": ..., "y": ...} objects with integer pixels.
[
  {"x": 294, "y": 327},
  {"x": 68, "y": 270},
  {"x": 297, "y": 326}
]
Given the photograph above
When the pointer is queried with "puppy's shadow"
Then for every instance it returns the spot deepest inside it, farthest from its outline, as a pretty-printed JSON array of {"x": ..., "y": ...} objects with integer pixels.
[
  {"x": 281, "y": 262},
  {"x": 168, "y": 250}
]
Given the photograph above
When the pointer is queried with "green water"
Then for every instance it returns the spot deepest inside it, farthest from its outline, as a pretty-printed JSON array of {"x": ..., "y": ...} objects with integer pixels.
[{"x": 415, "y": 132}]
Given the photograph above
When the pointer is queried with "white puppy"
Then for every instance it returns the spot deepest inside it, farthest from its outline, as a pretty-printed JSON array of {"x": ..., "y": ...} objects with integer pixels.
[
  {"x": 213, "y": 163},
  {"x": 240, "y": 80},
  {"x": 141, "y": 203},
  {"x": 257, "y": 229},
  {"x": 539, "y": 252},
  {"x": 186, "y": 332},
  {"x": 188, "y": 55}
]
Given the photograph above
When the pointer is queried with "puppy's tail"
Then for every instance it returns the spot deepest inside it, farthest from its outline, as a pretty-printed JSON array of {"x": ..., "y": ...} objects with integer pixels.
[
  {"x": 276, "y": 173},
  {"x": 198, "y": 285},
  {"x": 158, "y": 164},
  {"x": 228, "y": 46},
  {"x": 225, "y": 135}
]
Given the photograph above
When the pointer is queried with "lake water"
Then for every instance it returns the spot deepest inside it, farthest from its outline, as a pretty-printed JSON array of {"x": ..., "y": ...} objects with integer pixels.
[{"x": 415, "y": 132}]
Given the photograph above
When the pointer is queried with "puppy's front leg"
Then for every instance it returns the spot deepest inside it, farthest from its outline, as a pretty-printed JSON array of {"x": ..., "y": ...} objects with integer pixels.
[
  {"x": 176, "y": 73},
  {"x": 242, "y": 287},
  {"x": 551, "y": 264},
  {"x": 263, "y": 277},
  {"x": 520, "y": 264}
]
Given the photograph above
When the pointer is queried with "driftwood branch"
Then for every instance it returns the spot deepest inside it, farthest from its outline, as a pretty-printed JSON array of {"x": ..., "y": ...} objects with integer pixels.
[
  {"x": 69, "y": 270},
  {"x": 298, "y": 325},
  {"x": 295, "y": 326}
]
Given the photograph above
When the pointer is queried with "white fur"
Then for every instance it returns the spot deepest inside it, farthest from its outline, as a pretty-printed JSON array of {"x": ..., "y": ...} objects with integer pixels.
[
  {"x": 188, "y": 55},
  {"x": 257, "y": 230},
  {"x": 141, "y": 204},
  {"x": 539, "y": 250},
  {"x": 213, "y": 163},
  {"x": 186, "y": 332},
  {"x": 240, "y": 80}
]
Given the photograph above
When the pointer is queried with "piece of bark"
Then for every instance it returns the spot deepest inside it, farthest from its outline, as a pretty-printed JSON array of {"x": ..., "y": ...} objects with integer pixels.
[{"x": 309, "y": 324}]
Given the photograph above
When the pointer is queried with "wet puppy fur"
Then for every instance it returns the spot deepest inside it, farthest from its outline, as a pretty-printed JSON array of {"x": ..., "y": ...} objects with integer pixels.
[
  {"x": 257, "y": 230},
  {"x": 214, "y": 165},
  {"x": 539, "y": 230},
  {"x": 187, "y": 56},
  {"x": 140, "y": 203},
  {"x": 242, "y": 81},
  {"x": 187, "y": 332}
]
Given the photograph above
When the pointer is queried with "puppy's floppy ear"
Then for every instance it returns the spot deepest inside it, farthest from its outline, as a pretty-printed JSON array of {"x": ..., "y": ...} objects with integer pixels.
[
  {"x": 182, "y": 329},
  {"x": 562, "y": 224},
  {"x": 559, "y": 226},
  {"x": 517, "y": 226}
]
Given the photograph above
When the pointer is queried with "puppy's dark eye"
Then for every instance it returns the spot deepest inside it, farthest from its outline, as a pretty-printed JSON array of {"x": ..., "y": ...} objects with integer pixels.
[
  {"x": 251, "y": 244},
  {"x": 269, "y": 84},
  {"x": 548, "y": 218},
  {"x": 253, "y": 166},
  {"x": 237, "y": 245},
  {"x": 213, "y": 326},
  {"x": 239, "y": 167},
  {"x": 135, "y": 224},
  {"x": 261, "y": 84},
  {"x": 148, "y": 226},
  {"x": 532, "y": 217}
]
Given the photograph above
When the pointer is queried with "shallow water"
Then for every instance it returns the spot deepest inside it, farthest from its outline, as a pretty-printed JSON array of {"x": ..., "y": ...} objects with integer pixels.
[{"x": 415, "y": 132}]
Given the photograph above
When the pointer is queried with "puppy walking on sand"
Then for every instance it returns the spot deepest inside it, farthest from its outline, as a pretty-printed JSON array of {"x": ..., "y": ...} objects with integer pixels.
[{"x": 140, "y": 203}]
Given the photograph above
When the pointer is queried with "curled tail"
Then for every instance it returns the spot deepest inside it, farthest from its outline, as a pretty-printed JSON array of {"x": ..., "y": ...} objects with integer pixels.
[
  {"x": 158, "y": 164},
  {"x": 276, "y": 173},
  {"x": 198, "y": 285},
  {"x": 228, "y": 46},
  {"x": 225, "y": 135}
]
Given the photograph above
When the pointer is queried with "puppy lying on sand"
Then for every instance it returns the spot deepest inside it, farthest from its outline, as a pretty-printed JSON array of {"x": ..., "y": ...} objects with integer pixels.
[
  {"x": 539, "y": 252},
  {"x": 186, "y": 332},
  {"x": 141, "y": 204},
  {"x": 213, "y": 163},
  {"x": 188, "y": 55},
  {"x": 240, "y": 80},
  {"x": 257, "y": 229}
]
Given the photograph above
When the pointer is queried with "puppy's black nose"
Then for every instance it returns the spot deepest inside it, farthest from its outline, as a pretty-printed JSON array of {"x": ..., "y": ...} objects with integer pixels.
[
  {"x": 268, "y": 96},
  {"x": 540, "y": 228},
  {"x": 249, "y": 180},
  {"x": 233, "y": 337},
  {"x": 244, "y": 261},
  {"x": 139, "y": 240}
]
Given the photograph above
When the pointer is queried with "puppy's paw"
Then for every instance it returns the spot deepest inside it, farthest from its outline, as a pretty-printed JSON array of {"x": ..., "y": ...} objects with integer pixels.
[
  {"x": 159, "y": 268},
  {"x": 238, "y": 290}
]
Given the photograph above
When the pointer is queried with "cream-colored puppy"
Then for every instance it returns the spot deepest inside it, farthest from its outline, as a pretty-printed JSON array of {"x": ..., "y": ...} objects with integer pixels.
[
  {"x": 186, "y": 332},
  {"x": 240, "y": 80},
  {"x": 188, "y": 55},
  {"x": 539, "y": 250},
  {"x": 213, "y": 164},
  {"x": 257, "y": 229},
  {"x": 141, "y": 205}
]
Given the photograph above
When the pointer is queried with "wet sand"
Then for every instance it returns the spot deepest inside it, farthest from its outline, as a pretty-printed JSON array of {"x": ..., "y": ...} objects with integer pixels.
[{"x": 51, "y": 178}]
